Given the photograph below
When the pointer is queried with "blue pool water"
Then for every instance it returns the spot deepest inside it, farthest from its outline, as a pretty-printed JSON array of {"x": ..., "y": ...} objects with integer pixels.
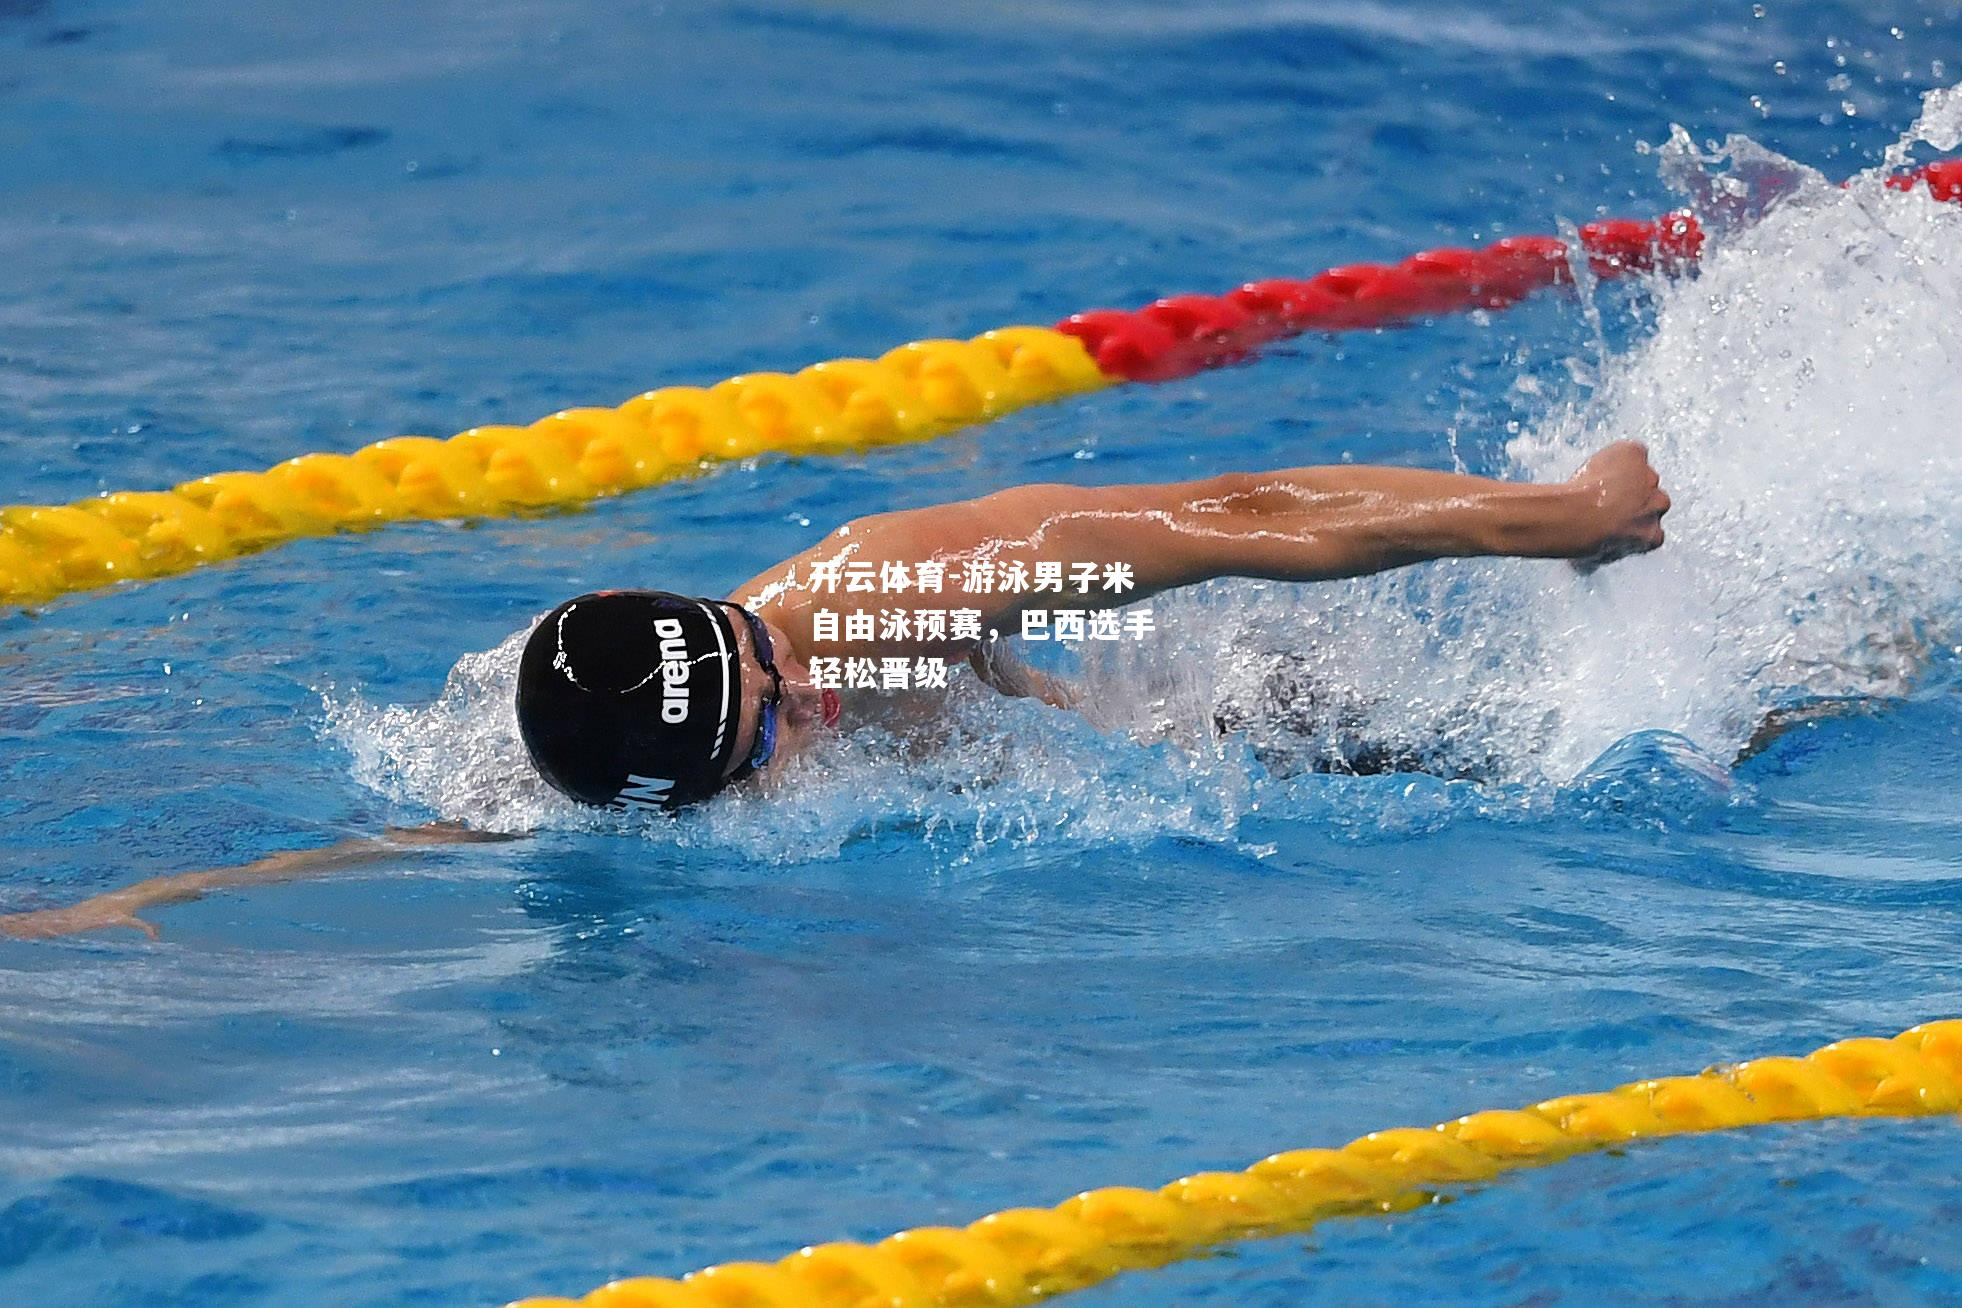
[{"x": 1061, "y": 954}]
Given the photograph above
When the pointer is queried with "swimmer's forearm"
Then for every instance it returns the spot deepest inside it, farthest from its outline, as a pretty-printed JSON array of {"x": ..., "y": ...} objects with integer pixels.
[
  {"x": 1318, "y": 524},
  {"x": 294, "y": 865},
  {"x": 1612, "y": 507},
  {"x": 120, "y": 908},
  {"x": 1471, "y": 516},
  {"x": 1321, "y": 524}
]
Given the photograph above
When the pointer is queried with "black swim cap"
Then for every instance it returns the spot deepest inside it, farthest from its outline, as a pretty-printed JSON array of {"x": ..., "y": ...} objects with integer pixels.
[{"x": 631, "y": 698}]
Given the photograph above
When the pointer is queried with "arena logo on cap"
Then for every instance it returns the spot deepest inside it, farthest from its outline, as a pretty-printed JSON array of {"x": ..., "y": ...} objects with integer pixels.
[
  {"x": 674, "y": 669},
  {"x": 645, "y": 792}
]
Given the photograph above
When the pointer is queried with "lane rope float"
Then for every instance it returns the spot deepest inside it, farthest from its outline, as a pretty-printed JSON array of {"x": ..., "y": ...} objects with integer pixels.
[
  {"x": 915, "y": 392},
  {"x": 912, "y": 393},
  {"x": 1184, "y": 334},
  {"x": 1024, "y": 1254}
]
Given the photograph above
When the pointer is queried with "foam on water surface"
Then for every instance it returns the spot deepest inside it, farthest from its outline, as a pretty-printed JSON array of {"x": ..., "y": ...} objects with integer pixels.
[{"x": 1798, "y": 397}]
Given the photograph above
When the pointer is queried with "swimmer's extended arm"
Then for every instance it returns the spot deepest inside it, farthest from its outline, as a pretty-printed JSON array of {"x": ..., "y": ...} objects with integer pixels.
[
  {"x": 1311, "y": 524},
  {"x": 119, "y": 908}
]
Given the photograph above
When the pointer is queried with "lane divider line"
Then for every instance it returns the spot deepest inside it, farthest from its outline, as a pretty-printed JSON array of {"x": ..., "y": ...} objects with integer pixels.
[
  {"x": 1022, "y": 1255},
  {"x": 915, "y": 392}
]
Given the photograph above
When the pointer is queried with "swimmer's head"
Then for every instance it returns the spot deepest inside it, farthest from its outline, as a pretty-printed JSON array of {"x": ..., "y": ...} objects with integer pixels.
[{"x": 635, "y": 698}]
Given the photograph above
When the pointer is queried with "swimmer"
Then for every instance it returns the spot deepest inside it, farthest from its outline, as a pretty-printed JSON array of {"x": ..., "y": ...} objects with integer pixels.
[{"x": 642, "y": 699}]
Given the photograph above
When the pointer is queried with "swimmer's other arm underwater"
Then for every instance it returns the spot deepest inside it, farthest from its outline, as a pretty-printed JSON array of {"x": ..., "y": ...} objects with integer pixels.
[{"x": 651, "y": 699}]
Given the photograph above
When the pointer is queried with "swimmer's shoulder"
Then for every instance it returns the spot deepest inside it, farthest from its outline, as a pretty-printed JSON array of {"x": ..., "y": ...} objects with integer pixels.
[
  {"x": 910, "y": 536},
  {"x": 875, "y": 538},
  {"x": 783, "y": 596}
]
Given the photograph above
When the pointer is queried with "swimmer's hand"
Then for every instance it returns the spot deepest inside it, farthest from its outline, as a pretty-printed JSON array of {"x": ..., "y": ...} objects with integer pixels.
[
  {"x": 1623, "y": 500},
  {"x": 995, "y": 662},
  {"x": 103, "y": 913}
]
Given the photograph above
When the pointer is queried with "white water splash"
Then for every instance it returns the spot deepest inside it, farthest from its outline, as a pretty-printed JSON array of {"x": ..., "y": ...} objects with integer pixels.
[
  {"x": 1799, "y": 397},
  {"x": 1939, "y": 125},
  {"x": 460, "y": 756}
]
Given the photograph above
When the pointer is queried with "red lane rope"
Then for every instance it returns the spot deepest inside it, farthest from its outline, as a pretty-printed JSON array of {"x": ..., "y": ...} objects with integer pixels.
[{"x": 1185, "y": 334}]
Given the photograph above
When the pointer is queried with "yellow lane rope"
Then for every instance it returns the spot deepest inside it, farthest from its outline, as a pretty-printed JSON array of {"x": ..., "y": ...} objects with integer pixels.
[
  {"x": 912, "y": 393},
  {"x": 1025, "y": 1254}
]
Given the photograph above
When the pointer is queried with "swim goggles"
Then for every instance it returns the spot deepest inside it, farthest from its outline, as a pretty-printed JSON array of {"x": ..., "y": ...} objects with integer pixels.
[{"x": 766, "y": 723}]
